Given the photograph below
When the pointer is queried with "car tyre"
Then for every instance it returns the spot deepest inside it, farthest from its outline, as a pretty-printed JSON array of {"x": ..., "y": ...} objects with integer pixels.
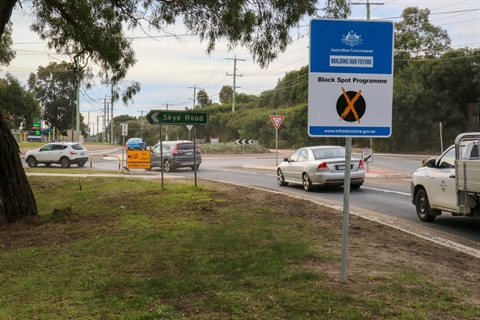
[
  {"x": 65, "y": 162},
  {"x": 32, "y": 162},
  {"x": 422, "y": 206},
  {"x": 81, "y": 164},
  {"x": 193, "y": 167},
  {"x": 281, "y": 178},
  {"x": 307, "y": 183},
  {"x": 167, "y": 166}
]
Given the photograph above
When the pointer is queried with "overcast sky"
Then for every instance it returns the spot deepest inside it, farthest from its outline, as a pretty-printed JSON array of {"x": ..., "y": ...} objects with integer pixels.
[{"x": 169, "y": 69}]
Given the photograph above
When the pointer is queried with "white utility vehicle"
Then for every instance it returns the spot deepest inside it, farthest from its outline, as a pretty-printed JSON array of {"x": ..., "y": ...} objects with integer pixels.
[{"x": 451, "y": 182}]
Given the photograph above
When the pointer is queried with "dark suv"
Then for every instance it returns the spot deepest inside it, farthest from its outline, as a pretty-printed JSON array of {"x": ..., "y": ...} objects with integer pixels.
[{"x": 176, "y": 154}]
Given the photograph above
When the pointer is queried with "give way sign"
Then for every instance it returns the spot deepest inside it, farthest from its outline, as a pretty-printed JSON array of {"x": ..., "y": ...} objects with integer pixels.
[{"x": 277, "y": 120}]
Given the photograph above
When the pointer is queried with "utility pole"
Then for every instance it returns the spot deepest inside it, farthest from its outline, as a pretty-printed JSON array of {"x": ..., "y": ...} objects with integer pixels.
[
  {"x": 111, "y": 114},
  {"x": 234, "y": 79},
  {"x": 368, "y": 4},
  {"x": 98, "y": 128},
  {"x": 105, "y": 107},
  {"x": 194, "y": 94},
  {"x": 166, "y": 128},
  {"x": 141, "y": 124}
]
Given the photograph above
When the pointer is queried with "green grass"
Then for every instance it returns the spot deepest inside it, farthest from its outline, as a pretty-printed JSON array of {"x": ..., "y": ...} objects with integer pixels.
[{"x": 126, "y": 249}]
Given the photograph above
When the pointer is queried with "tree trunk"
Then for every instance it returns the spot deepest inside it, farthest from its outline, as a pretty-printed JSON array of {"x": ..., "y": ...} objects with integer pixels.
[{"x": 16, "y": 196}]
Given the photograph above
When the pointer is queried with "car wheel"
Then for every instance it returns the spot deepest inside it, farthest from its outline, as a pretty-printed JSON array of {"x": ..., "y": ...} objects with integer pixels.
[
  {"x": 422, "y": 205},
  {"x": 281, "y": 178},
  {"x": 166, "y": 166},
  {"x": 81, "y": 164},
  {"x": 65, "y": 162},
  {"x": 32, "y": 162},
  {"x": 193, "y": 167},
  {"x": 307, "y": 183}
]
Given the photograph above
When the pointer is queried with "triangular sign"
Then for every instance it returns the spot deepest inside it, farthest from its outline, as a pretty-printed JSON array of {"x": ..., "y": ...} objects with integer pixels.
[{"x": 277, "y": 120}]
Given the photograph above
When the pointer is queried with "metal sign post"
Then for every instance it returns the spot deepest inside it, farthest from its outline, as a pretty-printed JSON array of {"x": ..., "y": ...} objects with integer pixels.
[
  {"x": 277, "y": 121},
  {"x": 124, "y": 133},
  {"x": 189, "y": 118}
]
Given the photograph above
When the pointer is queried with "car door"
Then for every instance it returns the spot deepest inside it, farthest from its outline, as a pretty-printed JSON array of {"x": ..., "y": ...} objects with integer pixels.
[
  {"x": 155, "y": 156},
  {"x": 45, "y": 153},
  {"x": 300, "y": 166},
  {"x": 441, "y": 187},
  {"x": 289, "y": 168}
]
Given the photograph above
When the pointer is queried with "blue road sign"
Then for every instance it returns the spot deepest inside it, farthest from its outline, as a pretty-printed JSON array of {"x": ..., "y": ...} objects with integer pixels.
[{"x": 350, "y": 78}]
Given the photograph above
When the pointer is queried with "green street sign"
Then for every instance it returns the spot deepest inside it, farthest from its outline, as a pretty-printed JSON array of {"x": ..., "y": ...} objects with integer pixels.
[{"x": 177, "y": 117}]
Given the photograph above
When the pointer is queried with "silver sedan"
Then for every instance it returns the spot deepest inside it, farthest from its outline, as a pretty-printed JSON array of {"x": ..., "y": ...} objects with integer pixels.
[{"x": 319, "y": 166}]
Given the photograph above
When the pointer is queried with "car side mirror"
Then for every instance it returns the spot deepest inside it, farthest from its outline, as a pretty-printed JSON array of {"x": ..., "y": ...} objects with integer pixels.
[{"x": 286, "y": 159}]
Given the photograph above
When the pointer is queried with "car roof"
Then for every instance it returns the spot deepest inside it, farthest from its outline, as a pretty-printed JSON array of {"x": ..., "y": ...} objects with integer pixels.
[{"x": 324, "y": 147}]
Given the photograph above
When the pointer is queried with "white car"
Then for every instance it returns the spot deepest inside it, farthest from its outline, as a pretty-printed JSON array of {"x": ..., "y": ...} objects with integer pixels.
[
  {"x": 62, "y": 153},
  {"x": 319, "y": 166}
]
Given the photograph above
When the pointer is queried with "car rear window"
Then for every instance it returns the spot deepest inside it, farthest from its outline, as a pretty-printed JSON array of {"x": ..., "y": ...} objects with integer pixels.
[
  {"x": 78, "y": 146},
  {"x": 185, "y": 146}
]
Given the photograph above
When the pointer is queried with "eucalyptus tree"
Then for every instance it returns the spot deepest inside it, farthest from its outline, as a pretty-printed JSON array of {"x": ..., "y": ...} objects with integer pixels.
[
  {"x": 54, "y": 88},
  {"x": 203, "y": 99},
  {"x": 417, "y": 37},
  {"x": 92, "y": 33},
  {"x": 18, "y": 105}
]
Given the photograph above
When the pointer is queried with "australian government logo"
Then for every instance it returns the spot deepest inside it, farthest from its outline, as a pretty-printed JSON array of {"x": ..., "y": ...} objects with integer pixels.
[{"x": 352, "y": 39}]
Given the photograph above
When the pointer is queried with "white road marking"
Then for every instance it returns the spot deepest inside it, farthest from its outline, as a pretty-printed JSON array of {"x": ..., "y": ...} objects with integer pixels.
[{"x": 387, "y": 191}]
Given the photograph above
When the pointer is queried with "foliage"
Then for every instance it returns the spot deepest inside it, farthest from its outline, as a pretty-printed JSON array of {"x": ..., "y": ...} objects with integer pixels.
[
  {"x": 18, "y": 106},
  {"x": 292, "y": 89},
  {"x": 54, "y": 87},
  {"x": 203, "y": 99},
  {"x": 226, "y": 94},
  {"x": 415, "y": 36},
  {"x": 6, "y": 52},
  {"x": 430, "y": 91}
]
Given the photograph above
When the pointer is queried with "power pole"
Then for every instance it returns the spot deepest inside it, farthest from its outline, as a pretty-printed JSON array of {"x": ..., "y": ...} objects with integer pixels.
[
  {"x": 166, "y": 127},
  {"x": 234, "y": 79},
  {"x": 141, "y": 124},
  {"x": 194, "y": 94},
  {"x": 105, "y": 107},
  {"x": 98, "y": 128},
  {"x": 111, "y": 114},
  {"x": 368, "y": 4}
]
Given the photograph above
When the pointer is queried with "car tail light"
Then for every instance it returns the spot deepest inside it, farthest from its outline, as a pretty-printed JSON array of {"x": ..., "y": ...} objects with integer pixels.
[
  {"x": 360, "y": 164},
  {"x": 175, "y": 150},
  {"x": 322, "y": 167},
  {"x": 73, "y": 152}
]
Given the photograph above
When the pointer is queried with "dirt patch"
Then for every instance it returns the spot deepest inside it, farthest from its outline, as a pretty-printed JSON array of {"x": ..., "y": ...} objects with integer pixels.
[{"x": 372, "y": 246}]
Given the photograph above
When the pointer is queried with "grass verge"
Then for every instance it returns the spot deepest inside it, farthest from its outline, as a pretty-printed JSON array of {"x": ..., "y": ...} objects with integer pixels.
[{"x": 110, "y": 248}]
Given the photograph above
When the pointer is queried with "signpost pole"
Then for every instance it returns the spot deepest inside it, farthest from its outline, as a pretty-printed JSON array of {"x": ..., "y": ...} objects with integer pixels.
[
  {"x": 346, "y": 208},
  {"x": 161, "y": 158},
  {"x": 276, "y": 146},
  {"x": 195, "y": 154}
]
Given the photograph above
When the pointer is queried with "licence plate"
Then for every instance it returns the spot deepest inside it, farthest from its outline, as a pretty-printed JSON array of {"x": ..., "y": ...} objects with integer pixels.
[
  {"x": 341, "y": 167},
  {"x": 81, "y": 153},
  {"x": 188, "y": 153}
]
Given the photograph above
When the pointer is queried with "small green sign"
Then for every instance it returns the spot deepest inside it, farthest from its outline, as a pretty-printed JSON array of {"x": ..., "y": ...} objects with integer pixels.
[{"x": 177, "y": 117}]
